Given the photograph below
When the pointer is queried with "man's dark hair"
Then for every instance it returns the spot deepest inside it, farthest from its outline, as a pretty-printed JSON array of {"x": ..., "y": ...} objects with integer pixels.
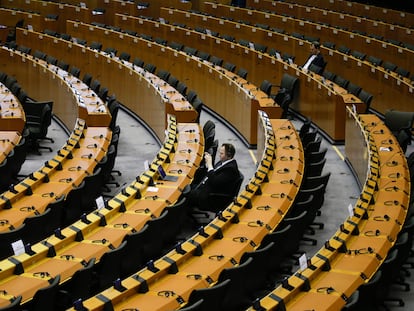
[
  {"x": 316, "y": 44},
  {"x": 229, "y": 150}
]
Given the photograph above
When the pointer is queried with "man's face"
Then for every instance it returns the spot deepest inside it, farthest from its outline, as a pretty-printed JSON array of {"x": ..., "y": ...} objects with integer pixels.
[
  {"x": 222, "y": 154},
  {"x": 313, "y": 49}
]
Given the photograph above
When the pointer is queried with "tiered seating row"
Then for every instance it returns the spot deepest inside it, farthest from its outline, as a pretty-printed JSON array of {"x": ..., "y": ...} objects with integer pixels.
[
  {"x": 382, "y": 84},
  {"x": 305, "y": 30},
  {"x": 358, "y": 24},
  {"x": 220, "y": 244},
  {"x": 373, "y": 12},
  {"x": 231, "y": 92},
  {"x": 361, "y": 244},
  {"x": 97, "y": 232}
]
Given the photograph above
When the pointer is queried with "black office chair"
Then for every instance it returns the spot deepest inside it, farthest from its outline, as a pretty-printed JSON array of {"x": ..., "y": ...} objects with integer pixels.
[
  {"x": 400, "y": 124},
  {"x": 111, "y": 51},
  {"x": 260, "y": 47},
  {"x": 39, "y": 55},
  {"x": 388, "y": 66},
  {"x": 38, "y": 120},
  {"x": 74, "y": 71},
  {"x": 108, "y": 269},
  {"x": 181, "y": 88},
  {"x": 78, "y": 287},
  {"x": 329, "y": 75},
  {"x": 316, "y": 69},
  {"x": 189, "y": 50},
  {"x": 63, "y": 65},
  {"x": 353, "y": 89},
  {"x": 150, "y": 67},
  {"x": 161, "y": 41},
  {"x": 236, "y": 297},
  {"x": 374, "y": 60},
  {"x": 175, "y": 45},
  {"x": 203, "y": 55},
  {"x": 173, "y": 81},
  {"x": 191, "y": 96},
  {"x": 242, "y": 73},
  {"x": 87, "y": 79},
  {"x": 343, "y": 49},
  {"x": 198, "y": 106},
  {"x": 124, "y": 56},
  {"x": 266, "y": 87},
  {"x": 359, "y": 55},
  {"x": 35, "y": 227},
  {"x": 134, "y": 258},
  {"x": 8, "y": 237},
  {"x": 366, "y": 98},
  {"x": 73, "y": 208},
  {"x": 14, "y": 304},
  {"x": 402, "y": 72},
  {"x": 45, "y": 299},
  {"x": 51, "y": 60},
  {"x": 342, "y": 82},
  {"x": 229, "y": 66},
  {"x": 138, "y": 62},
  {"x": 216, "y": 202},
  {"x": 163, "y": 74},
  {"x": 288, "y": 92},
  {"x": 95, "y": 85},
  {"x": 212, "y": 297},
  {"x": 216, "y": 60}
]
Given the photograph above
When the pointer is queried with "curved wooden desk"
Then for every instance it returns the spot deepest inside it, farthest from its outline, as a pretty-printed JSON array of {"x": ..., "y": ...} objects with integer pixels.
[
  {"x": 355, "y": 252},
  {"x": 384, "y": 86}
]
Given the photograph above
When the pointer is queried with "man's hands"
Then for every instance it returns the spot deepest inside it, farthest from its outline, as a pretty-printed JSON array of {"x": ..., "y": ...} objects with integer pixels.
[{"x": 208, "y": 160}]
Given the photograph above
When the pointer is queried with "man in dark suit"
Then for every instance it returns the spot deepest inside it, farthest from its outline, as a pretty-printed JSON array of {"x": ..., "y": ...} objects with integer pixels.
[
  {"x": 220, "y": 179},
  {"x": 315, "y": 58}
]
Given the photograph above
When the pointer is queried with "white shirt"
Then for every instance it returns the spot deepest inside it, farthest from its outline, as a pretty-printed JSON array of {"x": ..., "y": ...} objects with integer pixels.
[{"x": 310, "y": 60}]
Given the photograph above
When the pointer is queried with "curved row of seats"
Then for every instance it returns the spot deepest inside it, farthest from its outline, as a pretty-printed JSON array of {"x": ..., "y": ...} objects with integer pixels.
[
  {"x": 360, "y": 246},
  {"x": 374, "y": 12},
  {"x": 105, "y": 228},
  {"x": 384, "y": 30},
  {"x": 222, "y": 242},
  {"x": 285, "y": 45}
]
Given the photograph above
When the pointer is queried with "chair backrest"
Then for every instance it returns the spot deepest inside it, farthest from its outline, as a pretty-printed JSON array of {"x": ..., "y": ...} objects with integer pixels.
[
  {"x": 8, "y": 237},
  {"x": 138, "y": 62},
  {"x": 109, "y": 268},
  {"x": 212, "y": 296},
  {"x": 266, "y": 87},
  {"x": 291, "y": 85},
  {"x": 242, "y": 73},
  {"x": 14, "y": 305},
  {"x": 150, "y": 67},
  {"x": 396, "y": 120},
  {"x": 216, "y": 60},
  {"x": 181, "y": 88},
  {"x": 79, "y": 286},
  {"x": 134, "y": 252},
  {"x": 163, "y": 74},
  {"x": 359, "y": 55},
  {"x": 45, "y": 298},
  {"x": 342, "y": 82},
  {"x": 353, "y": 89},
  {"x": 125, "y": 56},
  {"x": 229, "y": 66},
  {"x": 239, "y": 276},
  {"x": 209, "y": 131}
]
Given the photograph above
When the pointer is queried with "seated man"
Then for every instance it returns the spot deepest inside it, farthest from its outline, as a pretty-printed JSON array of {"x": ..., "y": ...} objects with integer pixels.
[
  {"x": 218, "y": 185},
  {"x": 315, "y": 56}
]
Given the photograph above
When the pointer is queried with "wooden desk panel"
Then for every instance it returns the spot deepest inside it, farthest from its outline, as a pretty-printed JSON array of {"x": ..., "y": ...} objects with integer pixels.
[
  {"x": 336, "y": 16},
  {"x": 194, "y": 73},
  {"x": 382, "y": 85}
]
